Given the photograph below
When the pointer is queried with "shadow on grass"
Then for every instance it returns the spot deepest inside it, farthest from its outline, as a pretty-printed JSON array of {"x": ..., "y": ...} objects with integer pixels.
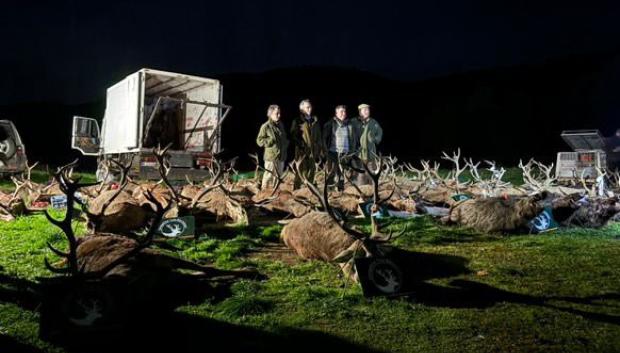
[
  {"x": 460, "y": 293},
  {"x": 157, "y": 327},
  {"x": 188, "y": 333},
  {"x": 9, "y": 344},
  {"x": 470, "y": 294},
  {"x": 421, "y": 266},
  {"x": 21, "y": 292}
]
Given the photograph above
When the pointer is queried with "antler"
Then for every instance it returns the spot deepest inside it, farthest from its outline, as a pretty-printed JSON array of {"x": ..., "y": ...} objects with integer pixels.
[
  {"x": 432, "y": 173},
  {"x": 216, "y": 173},
  {"x": 161, "y": 155},
  {"x": 25, "y": 182},
  {"x": 546, "y": 170},
  {"x": 68, "y": 187},
  {"x": 473, "y": 170},
  {"x": 323, "y": 198},
  {"x": 456, "y": 172},
  {"x": 145, "y": 241},
  {"x": 496, "y": 174},
  {"x": 419, "y": 173},
  {"x": 539, "y": 181},
  {"x": 276, "y": 173},
  {"x": 124, "y": 180}
]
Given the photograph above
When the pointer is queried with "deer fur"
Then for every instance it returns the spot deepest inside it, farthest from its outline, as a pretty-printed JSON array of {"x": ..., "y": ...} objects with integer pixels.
[
  {"x": 495, "y": 214},
  {"x": 316, "y": 236},
  {"x": 325, "y": 235},
  {"x": 97, "y": 252},
  {"x": 116, "y": 211},
  {"x": 104, "y": 255}
]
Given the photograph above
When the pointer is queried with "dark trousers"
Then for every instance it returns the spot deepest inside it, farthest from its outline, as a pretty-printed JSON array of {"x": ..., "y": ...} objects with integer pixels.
[
  {"x": 307, "y": 168},
  {"x": 364, "y": 178},
  {"x": 335, "y": 170}
]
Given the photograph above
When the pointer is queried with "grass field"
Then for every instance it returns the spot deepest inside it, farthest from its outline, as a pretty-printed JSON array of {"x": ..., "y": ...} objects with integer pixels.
[{"x": 556, "y": 292}]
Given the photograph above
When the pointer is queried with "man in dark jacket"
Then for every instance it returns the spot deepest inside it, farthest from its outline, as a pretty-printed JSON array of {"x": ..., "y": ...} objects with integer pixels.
[
  {"x": 272, "y": 137},
  {"x": 341, "y": 139},
  {"x": 308, "y": 142}
]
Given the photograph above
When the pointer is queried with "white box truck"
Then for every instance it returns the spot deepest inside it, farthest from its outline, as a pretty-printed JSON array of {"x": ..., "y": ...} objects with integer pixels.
[{"x": 152, "y": 108}]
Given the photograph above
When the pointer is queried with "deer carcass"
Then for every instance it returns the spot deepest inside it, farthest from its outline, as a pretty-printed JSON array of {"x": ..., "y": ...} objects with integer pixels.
[
  {"x": 105, "y": 255},
  {"x": 325, "y": 235},
  {"x": 117, "y": 210},
  {"x": 213, "y": 200},
  {"x": 495, "y": 214}
]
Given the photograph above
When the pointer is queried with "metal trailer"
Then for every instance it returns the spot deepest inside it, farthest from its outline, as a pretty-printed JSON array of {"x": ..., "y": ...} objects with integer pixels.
[
  {"x": 150, "y": 108},
  {"x": 586, "y": 160}
]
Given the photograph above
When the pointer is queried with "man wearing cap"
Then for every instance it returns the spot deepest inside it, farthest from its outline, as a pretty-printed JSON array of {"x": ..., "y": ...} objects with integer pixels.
[
  {"x": 341, "y": 139},
  {"x": 308, "y": 142},
  {"x": 370, "y": 135}
]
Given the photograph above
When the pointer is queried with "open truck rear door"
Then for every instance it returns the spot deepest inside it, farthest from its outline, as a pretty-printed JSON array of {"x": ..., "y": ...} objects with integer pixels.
[
  {"x": 121, "y": 120},
  {"x": 86, "y": 136}
]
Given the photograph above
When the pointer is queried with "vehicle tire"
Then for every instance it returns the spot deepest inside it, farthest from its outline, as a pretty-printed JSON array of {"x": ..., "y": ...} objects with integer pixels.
[{"x": 7, "y": 149}]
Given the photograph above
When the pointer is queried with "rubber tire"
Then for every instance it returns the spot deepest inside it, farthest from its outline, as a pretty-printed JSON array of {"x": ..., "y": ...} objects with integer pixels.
[{"x": 11, "y": 149}]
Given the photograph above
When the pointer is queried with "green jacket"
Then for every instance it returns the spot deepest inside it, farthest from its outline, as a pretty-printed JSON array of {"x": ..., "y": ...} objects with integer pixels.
[
  {"x": 370, "y": 134},
  {"x": 272, "y": 137},
  {"x": 307, "y": 138}
]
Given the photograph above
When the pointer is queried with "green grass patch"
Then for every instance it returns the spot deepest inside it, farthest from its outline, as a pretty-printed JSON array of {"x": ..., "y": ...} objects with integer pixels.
[{"x": 553, "y": 292}]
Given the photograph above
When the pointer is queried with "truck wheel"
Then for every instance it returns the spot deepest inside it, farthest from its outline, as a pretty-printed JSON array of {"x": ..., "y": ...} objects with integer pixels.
[{"x": 7, "y": 148}]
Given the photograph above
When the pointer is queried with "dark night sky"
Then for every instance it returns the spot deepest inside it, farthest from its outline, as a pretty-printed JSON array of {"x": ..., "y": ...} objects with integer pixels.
[{"x": 70, "y": 51}]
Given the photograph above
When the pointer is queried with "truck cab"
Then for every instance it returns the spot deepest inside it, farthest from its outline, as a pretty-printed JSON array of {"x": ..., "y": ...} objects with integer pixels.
[{"x": 152, "y": 108}]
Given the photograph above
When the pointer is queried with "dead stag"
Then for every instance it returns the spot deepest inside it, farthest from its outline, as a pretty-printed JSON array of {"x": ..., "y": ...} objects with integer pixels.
[
  {"x": 109, "y": 255},
  {"x": 326, "y": 236}
]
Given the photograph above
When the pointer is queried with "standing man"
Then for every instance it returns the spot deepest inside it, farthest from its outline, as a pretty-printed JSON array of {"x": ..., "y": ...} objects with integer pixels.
[
  {"x": 308, "y": 142},
  {"x": 370, "y": 135},
  {"x": 272, "y": 137},
  {"x": 341, "y": 139}
]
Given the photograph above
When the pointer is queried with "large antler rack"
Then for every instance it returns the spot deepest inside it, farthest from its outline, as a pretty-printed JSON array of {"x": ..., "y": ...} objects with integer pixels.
[
  {"x": 375, "y": 175},
  {"x": 279, "y": 177},
  {"x": 457, "y": 170},
  {"x": 216, "y": 172},
  {"x": 69, "y": 187},
  {"x": 163, "y": 164}
]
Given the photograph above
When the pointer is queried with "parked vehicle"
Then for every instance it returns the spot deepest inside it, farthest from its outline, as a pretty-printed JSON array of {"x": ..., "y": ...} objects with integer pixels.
[
  {"x": 587, "y": 160},
  {"x": 151, "y": 108},
  {"x": 12, "y": 151}
]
